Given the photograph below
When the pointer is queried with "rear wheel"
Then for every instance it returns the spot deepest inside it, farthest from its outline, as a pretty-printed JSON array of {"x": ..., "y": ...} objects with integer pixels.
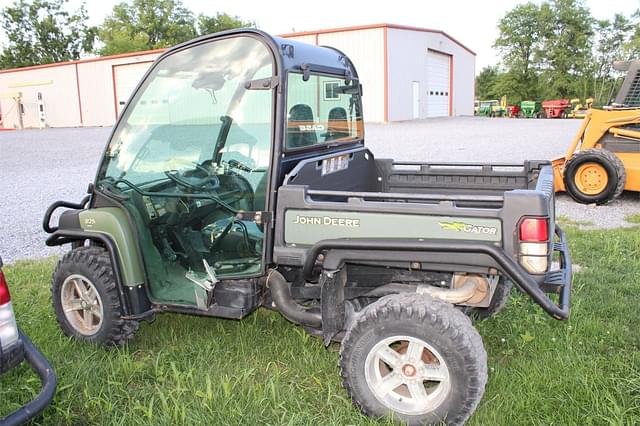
[
  {"x": 86, "y": 300},
  {"x": 594, "y": 176},
  {"x": 414, "y": 358}
]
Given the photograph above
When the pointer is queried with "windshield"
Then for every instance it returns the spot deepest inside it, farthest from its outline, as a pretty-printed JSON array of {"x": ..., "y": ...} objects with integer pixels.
[
  {"x": 322, "y": 109},
  {"x": 194, "y": 111}
]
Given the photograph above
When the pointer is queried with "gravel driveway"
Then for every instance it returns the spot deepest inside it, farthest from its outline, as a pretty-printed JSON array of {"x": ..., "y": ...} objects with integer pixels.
[{"x": 38, "y": 167}]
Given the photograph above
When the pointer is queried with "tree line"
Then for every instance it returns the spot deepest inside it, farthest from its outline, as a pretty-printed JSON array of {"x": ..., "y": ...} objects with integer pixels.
[
  {"x": 46, "y": 31},
  {"x": 557, "y": 49}
]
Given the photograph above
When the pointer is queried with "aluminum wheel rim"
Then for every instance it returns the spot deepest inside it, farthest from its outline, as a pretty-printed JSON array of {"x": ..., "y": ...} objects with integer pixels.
[
  {"x": 82, "y": 305},
  {"x": 407, "y": 375}
]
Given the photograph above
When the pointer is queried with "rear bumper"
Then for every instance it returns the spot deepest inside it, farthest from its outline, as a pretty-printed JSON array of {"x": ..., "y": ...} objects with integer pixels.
[
  {"x": 559, "y": 281},
  {"x": 47, "y": 377}
]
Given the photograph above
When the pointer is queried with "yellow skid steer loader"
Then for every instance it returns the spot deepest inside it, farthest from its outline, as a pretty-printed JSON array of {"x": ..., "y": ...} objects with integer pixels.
[{"x": 604, "y": 157}]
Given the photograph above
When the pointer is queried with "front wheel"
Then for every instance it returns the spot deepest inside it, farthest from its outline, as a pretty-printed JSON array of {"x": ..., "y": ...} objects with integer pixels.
[
  {"x": 86, "y": 300},
  {"x": 594, "y": 176},
  {"x": 416, "y": 359}
]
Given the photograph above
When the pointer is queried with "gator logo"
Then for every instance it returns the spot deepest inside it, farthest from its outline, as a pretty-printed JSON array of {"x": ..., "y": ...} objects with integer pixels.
[{"x": 468, "y": 228}]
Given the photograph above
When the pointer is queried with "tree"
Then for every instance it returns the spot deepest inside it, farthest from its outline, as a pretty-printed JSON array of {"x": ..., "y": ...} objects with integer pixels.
[
  {"x": 220, "y": 22},
  {"x": 609, "y": 44},
  {"x": 146, "y": 24},
  {"x": 519, "y": 45},
  {"x": 485, "y": 83},
  {"x": 566, "y": 50},
  {"x": 42, "y": 32},
  {"x": 632, "y": 46}
]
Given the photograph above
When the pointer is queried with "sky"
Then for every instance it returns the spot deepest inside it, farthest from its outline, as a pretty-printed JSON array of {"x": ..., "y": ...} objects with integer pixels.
[{"x": 472, "y": 22}]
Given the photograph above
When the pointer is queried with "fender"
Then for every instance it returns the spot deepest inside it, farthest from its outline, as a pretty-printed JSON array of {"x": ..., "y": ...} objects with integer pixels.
[{"x": 109, "y": 227}]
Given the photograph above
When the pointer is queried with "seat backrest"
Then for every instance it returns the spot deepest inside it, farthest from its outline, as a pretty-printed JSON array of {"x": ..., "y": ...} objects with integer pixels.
[
  {"x": 338, "y": 126},
  {"x": 300, "y": 114}
]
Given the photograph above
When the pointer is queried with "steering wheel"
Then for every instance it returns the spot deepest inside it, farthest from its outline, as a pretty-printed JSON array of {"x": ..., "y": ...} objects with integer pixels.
[{"x": 193, "y": 182}]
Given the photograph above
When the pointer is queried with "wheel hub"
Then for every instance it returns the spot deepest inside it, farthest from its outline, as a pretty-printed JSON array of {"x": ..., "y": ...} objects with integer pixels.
[
  {"x": 407, "y": 374},
  {"x": 82, "y": 305},
  {"x": 409, "y": 370},
  {"x": 591, "y": 178}
]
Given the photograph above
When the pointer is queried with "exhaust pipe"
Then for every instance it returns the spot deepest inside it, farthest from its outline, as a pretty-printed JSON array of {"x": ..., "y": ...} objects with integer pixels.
[
  {"x": 449, "y": 295},
  {"x": 286, "y": 305}
]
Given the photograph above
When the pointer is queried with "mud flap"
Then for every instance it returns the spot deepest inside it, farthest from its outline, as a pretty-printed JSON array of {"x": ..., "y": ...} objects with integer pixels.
[{"x": 332, "y": 303}]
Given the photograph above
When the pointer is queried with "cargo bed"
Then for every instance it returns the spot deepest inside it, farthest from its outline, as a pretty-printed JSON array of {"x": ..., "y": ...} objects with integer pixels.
[{"x": 419, "y": 194}]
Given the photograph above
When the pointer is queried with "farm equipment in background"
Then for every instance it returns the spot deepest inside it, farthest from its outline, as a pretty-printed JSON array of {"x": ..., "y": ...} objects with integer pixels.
[
  {"x": 513, "y": 110},
  {"x": 557, "y": 108},
  {"x": 500, "y": 110},
  {"x": 485, "y": 108},
  {"x": 531, "y": 109},
  {"x": 493, "y": 108},
  {"x": 579, "y": 110},
  {"x": 604, "y": 157}
]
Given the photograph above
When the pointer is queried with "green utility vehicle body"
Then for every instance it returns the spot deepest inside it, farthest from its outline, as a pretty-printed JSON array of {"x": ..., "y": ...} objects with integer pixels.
[
  {"x": 531, "y": 109},
  {"x": 237, "y": 177}
]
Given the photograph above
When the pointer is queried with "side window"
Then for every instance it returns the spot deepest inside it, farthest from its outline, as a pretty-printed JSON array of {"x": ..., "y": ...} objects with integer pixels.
[{"x": 322, "y": 109}]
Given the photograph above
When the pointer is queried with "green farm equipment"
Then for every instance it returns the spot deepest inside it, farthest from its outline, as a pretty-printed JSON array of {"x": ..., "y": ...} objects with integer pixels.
[{"x": 531, "y": 109}]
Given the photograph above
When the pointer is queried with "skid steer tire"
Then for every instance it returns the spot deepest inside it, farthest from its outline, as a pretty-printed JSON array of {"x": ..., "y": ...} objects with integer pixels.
[
  {"x": 86, "y": 300},
  {"x": 597, "y": 191},
  {"x": 415, "y": 359},
  {"x": 498, "y": 302}
]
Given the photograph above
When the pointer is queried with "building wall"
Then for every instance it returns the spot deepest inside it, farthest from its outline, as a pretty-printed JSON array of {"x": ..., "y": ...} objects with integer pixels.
[
  {"x": 75, "y": 94},
  {"x": 365, "y": 49},
  {"x": 57, "y": 84},
  {"x": 407, "y": 55},
  {"x": 97, "y": 91},
  {"x": 82, "y": 93}
]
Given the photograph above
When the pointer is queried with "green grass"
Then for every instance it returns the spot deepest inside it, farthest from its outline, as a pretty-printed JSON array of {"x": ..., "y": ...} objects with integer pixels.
[
  {"x": 633, "y": 218},
  {"x": 263, "y": 370},
  {"x": 566, "y": 221}
]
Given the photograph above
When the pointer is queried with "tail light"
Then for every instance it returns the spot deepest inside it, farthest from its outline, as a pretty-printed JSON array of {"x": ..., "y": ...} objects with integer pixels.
[
  {"x": 8, "y": 327},
  {"x": 534, "y": 244}
]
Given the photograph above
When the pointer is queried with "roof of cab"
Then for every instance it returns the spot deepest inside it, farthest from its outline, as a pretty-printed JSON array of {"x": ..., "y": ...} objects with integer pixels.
[{"x": 291, "y": 54}]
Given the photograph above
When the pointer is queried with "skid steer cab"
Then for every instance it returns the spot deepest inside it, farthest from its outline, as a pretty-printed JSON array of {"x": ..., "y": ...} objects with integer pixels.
[{"x": 237, "y": 177}]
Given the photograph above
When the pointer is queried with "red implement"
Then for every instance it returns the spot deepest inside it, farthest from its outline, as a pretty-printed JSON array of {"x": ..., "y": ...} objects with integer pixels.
[{"x": 557, "y": 108}]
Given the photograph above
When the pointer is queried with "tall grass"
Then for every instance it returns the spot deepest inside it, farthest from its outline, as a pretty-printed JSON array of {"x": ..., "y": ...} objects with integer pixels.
[{"x": 264, "y": 370}]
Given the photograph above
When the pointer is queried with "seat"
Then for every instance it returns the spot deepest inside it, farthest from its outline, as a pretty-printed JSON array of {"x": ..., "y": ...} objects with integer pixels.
[
  {"x": 297, "y": 136},
  {"x": 338, "y": 125}
]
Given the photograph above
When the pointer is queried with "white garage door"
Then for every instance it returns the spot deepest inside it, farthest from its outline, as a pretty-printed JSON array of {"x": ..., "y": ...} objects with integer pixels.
[
  {"x": 126, "y": 78},
  {"x": 437, "y": 84}
]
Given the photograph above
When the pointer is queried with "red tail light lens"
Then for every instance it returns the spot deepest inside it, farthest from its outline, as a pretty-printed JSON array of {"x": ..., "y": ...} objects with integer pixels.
[
  {"x": 5, "y": 297},
  {"x": 534, "y": 229}
]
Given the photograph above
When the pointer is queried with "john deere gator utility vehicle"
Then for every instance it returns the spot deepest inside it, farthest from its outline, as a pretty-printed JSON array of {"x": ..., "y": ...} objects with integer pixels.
[
  {"x": 604, "y": 157},
  {"x": 237, "y": 176}
]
